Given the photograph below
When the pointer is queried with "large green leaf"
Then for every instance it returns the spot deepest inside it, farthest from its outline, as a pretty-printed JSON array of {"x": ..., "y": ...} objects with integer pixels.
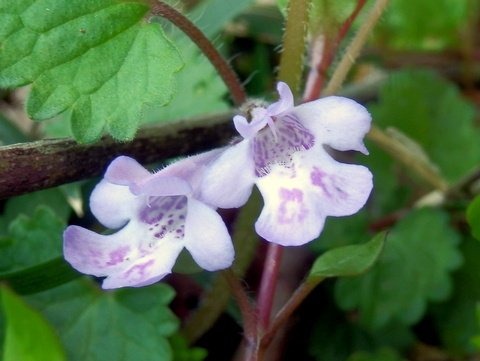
[
  {"x": 31, "y": 254},
  {"x": 455, "y": 319},
  {"x": 128, "y": 324},
  {"x": 31, "y": 240},
  {"x": 404, "y": 24},
  {"x": 430, "y": 111},
  {"x": 28, "y": 335},
  {"x": 95, "y": 58},
  {"x": 414, "y": 268}
]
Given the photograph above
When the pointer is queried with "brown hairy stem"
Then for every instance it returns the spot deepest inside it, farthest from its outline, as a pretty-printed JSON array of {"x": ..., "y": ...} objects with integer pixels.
[
  {"x": 223, "y": 68},
  {"x": 29, "y": 167}
]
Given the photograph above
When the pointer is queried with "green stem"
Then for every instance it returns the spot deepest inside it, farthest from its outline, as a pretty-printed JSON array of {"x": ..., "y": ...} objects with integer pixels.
[
  {"x": 294, "y": 43},
  {"x": 355, "y": 47},
  {"x": 223, "y": 68}
]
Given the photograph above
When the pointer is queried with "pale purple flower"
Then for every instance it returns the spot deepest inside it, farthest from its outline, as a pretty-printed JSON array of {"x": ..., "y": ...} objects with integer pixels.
[
  {"x": 160, "y": 214},
  {"x": 283, "y": 154}
]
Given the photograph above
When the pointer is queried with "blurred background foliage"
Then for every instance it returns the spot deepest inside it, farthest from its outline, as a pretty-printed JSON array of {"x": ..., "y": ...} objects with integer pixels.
[{"x": 419, "y": 76}]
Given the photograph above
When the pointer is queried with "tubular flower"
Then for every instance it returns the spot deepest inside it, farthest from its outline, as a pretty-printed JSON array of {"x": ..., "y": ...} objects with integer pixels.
[
  {"x": 159, "y": 213},
  {"x": 283, "y": 153}
]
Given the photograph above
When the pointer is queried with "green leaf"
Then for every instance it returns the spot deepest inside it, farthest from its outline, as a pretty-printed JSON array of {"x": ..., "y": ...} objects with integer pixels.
[
  {"x": 431, "y": 111},
  {"x": 476, "y": 339},
  {"x": 32, "y": 258},
  {"x": 40, "y": 277},
  {"x": 327, "y": 343},
  {"x": 32, "y": 240},
  {"x": 414, "y": 268},
  {"x": 181, "y": 351},
  {"x": 473, "y": 217},
  {"x": 455, "y": 319},
  {"x": 385, "y": 354},
  {"x": 95, "y": 58},
  {"x": 93, "y": 325},
  {"x": 28, "y": 335},
  {"x": 350, "y": 260},
  {"x": 404, "y": 25}
]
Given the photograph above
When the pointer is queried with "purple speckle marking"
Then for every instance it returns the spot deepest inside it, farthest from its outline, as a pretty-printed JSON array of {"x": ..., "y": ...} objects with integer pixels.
[
  {"x": 166, "y": 218},
  {"x": 317, "y": 178},
  {"x": 333, "y": 183},
  {"x": 291, "y": 209},
  {"x": 292, "y": 137},
  {"x": 137, "y": 272},
  {"x": 118, "y": 256}
]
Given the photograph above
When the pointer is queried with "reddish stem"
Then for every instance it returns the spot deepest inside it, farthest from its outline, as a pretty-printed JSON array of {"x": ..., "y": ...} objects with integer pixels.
[
  {"x": 223, "y": 68},
  {"x": 268, "y": 284},
  {"x": 317, "y": 74}
]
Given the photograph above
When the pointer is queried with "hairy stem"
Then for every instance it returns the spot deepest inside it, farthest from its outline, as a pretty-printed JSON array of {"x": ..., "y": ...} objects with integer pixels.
[
  {"x": 216, "y": 298},
  {"x": 223, "y": 68},
  {"x": 322, "y": 54},
  {"x": 33, "y": 166},
  {"x": 245, "y": 305},
  {"x": 409, "y": 158},
  {"x": 294, "y": 43},
  {"x": 354, "y": 48},
  {"x": 286, "y": 311},
  {"x": 268, "y": 285}
]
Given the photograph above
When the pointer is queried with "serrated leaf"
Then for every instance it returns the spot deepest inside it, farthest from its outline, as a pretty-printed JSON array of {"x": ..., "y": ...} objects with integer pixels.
[
  {"x": 97, "y": 59},
  {"x": 473, "y": 217},
  {"x": 128, "y": 324},
  {"x": 28, "y": 336},
  {"x": 431, "y": 111},
  {"x": 327, "y": 343},
  {"x": 404, "y": 25},
  {"x": 181, "y": 351},
  {"x": 32, "y": 258},
  {"x": 32, "y": 240},
  {"x": 350, "y": 260},
  {"x": 414, "y": 268},
  {"x": 455, "y": 319},
  {"x": 28, "y": 203}
]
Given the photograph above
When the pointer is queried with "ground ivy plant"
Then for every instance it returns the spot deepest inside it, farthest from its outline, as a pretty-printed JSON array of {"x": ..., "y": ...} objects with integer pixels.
[{"x": 148, "y": 195}]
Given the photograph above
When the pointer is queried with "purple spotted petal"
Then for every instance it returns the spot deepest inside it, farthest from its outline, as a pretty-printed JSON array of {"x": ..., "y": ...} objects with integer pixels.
[
  {"x": 336, "y": 121},
  {"x": 120, "y": 257},
  {"x": 298, "y": 200},
  {"x": 290, "y": 216},
  {"x": 207, "y": 238}
]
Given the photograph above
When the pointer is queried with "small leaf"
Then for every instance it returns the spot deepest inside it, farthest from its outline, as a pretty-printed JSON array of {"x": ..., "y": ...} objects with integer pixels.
[
  {"x": 348, "y": 260},
  {"x": 473, "y": 217},
  {"x": 95, "y": 58},
  {"x": 28, "y": 335}
]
